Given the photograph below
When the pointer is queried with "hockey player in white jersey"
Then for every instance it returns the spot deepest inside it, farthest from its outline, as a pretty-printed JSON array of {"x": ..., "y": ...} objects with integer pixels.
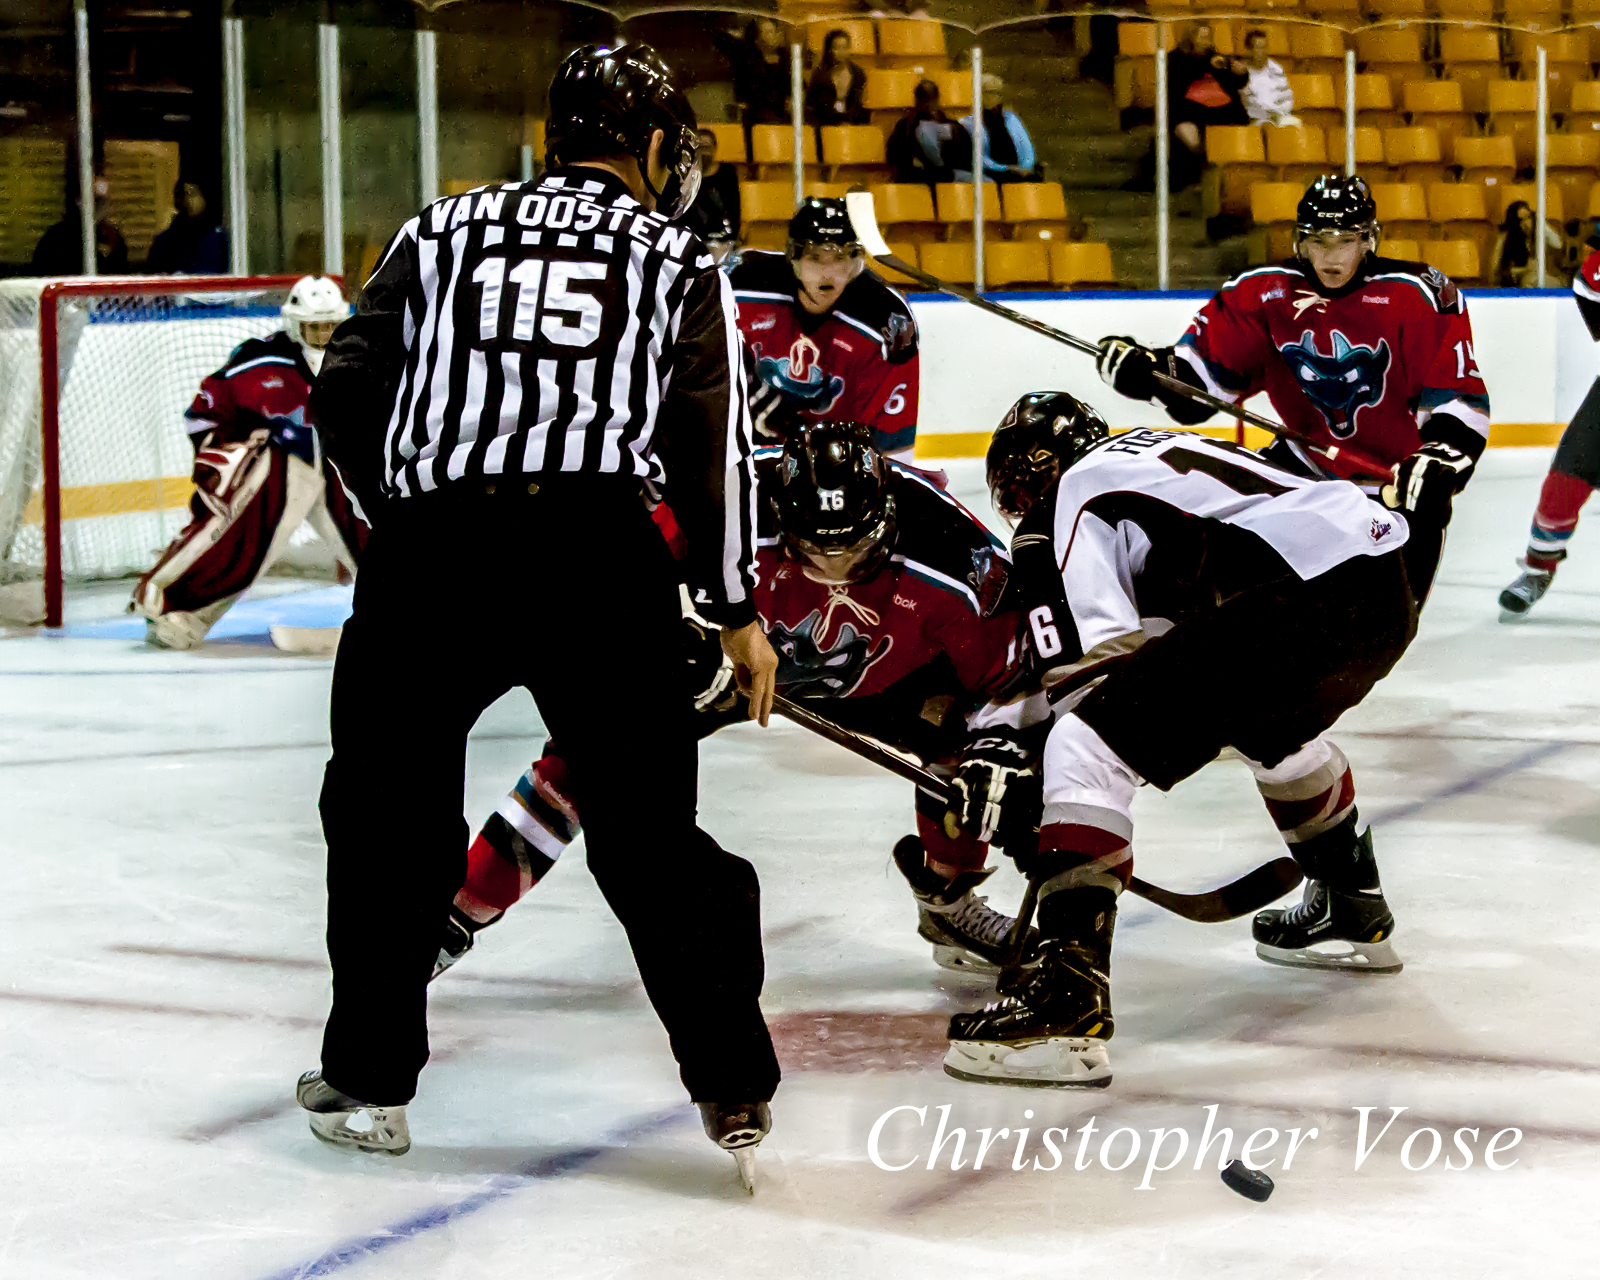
[{"x": 1182, "y": 596}]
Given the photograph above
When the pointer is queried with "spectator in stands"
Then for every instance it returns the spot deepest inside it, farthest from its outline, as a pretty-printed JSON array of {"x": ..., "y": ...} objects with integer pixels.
[
  {"x": 1267, "y": 96},
  {"x": 1202, "y": 90},
  {"x": 60, "y": 249},
  {"x": 834, "y": 94},
  {"x": 715, "y": 213},
  {"x": 1512, "y": 265},
  {"x": 1007, "y": 149},
  {"x": 759, "y": 58},
  {"x": 927, "y": 146},
  {"x": 194, "y": 243}
]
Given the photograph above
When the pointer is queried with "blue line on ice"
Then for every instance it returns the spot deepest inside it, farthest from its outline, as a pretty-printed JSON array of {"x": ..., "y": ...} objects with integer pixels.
[
  {"x": 497, "y": 1188},
  {"x": 1477, "y": 781}
]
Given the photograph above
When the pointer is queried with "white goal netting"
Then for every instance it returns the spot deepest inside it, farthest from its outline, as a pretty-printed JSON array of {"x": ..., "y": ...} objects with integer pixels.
[{"x": 131, "y": 357}]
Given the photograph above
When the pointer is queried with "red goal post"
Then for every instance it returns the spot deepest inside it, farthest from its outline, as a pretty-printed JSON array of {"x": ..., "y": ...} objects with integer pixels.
[{"x": 95, "y": 374}]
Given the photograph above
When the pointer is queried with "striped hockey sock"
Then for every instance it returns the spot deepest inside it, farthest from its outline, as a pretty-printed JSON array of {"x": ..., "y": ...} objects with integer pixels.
[
  {"x": 1561, "y": 498},
  {"x": 520, "y": 841}
]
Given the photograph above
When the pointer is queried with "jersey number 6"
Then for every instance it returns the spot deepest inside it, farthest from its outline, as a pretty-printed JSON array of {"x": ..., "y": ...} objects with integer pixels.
[{"x": 1045, "y": 636}]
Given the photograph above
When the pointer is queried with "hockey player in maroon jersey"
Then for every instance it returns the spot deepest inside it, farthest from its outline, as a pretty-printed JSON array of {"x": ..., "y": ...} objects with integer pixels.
[
  {"x": 878, "y": 591},
  {"x": 258, "y": 473},
  {"x": 1182, "y": 595},
  {"x": 1574, "y": 471},
  {"x": 1349, "y": 347},
  {"x": 826, "y": 339}
]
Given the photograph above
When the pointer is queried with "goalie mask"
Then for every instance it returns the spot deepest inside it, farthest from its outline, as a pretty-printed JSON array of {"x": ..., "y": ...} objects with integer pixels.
[
  {"x": 316, "y": 301},
  {"x": 835, "y": 512},
  {"x": 1041, "y": 435},
  {"x": 610, "y": 100}
]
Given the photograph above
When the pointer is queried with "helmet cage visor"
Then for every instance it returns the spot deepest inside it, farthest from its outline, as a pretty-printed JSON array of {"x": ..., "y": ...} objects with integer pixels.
[
  {"x": 680, "y": 156},
  {"x": 1018, "y": 480},
  {"x": 835, "y": 562}
]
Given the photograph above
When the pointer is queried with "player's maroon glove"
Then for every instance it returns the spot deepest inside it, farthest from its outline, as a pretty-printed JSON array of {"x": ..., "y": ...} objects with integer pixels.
[
  {"x": 1425, "y": 483},
  {"x": 996, "y": 791}
]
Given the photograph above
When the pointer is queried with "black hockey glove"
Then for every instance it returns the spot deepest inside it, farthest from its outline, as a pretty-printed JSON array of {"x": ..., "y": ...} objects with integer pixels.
[
  {"x": 1126, "y": 367},
  {"x": 710, "y": 671},
  {"x": 771, "y": 413},
  {"x": 997, "y": 793},
  {"x": 1425, "y": 483}
]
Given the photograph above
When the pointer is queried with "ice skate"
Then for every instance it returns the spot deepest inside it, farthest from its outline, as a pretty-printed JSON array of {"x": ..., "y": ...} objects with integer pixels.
[
  {"x": 460, "y": 932},
  {"x": 1332, "y": 928},
  {"x": 342, "y": 1121},
  {"x": 1053, "y": 1032},
  {"x": 1525, "y": 592},
  {"x": 967, "y": 934},
  {"x": 738, "y": 1127}
]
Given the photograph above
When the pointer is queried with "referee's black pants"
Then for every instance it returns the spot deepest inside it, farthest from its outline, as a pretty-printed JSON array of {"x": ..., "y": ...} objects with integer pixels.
[{"x": 571, "y": 592}]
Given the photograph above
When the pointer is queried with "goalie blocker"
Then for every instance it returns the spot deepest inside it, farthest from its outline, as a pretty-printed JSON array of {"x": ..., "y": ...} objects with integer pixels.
[{"x": 1182, "y": 596}]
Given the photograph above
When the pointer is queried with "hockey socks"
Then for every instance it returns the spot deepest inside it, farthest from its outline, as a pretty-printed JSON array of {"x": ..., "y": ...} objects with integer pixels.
[
  {"x": 1307, "y": 793},
  {"x": 1561, "y": 498},
  {"x": 521, "y": 840}
]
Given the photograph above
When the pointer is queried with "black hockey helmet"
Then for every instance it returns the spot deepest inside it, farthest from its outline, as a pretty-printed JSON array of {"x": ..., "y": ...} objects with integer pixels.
[
  {"x": 610, "y": 99},
  {"x": 823, "y": 220},
  {"x": 1041, "y": 435},
  {"x": 1336, "y": 202},
  {"x": 835, "y": 511}
]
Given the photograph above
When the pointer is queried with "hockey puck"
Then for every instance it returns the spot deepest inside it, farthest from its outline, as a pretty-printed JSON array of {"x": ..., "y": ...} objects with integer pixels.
[{"x": 1252, "y": 1184}]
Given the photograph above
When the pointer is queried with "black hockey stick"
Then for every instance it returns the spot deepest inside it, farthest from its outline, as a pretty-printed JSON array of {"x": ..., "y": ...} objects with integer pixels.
[
  {"x": 1240, "y": 897},
  {"x": 864, "y": 220}
]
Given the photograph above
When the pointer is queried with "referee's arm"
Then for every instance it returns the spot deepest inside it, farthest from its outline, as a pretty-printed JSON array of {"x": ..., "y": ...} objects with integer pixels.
[
  {"x": 705, "y": 441},
  {"x": 355, "y": 390}
]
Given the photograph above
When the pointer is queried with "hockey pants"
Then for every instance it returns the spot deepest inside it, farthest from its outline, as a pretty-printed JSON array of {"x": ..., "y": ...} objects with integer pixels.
[{"x": 250, "y": 498}]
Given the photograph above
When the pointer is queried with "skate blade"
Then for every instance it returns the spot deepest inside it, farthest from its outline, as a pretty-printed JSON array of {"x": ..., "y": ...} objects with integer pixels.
[
  {"x": 385, "y": 1138},
  {"x": 1059, "y": 1062},
  {"x": 745, "y": 1158},
  {"x": 1361, "y": 957},
  {"x": 960, "y": 960}
]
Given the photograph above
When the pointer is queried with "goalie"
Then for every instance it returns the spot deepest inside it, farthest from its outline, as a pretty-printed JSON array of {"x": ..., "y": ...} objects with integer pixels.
[{"x": 258, "y": 473}]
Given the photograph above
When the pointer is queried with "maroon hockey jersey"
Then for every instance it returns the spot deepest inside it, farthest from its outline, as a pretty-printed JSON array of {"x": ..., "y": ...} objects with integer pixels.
[
  {"x": 1365, "y": 366},
  {"x": 933, "y": 599},
  {"x": 858, "y": 362},
  {"x": 265, "y": 383},
  {"x": 1586, "y": 285}
]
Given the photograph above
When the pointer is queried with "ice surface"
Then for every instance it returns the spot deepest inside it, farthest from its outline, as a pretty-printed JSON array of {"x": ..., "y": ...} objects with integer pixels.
[{"x": 165, "y": 983}]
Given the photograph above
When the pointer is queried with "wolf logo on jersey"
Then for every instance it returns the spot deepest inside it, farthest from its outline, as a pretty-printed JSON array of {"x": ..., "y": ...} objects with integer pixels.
[
  {"x": 807, "y": 670},
  {"x": 800, "y": 377},
  {"x": 1341, "y": 384}
]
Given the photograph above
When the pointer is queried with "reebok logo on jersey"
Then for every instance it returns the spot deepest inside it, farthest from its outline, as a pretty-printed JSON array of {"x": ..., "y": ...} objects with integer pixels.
[
  {"x": 1271, "y": 294},
  {"x": 1375, "y": 299},
  {"x": 271, "y": 382},
  {"x": 840, "y": 342},
  {"x": 1380, "y": 529},
  {"x": 1340, "y": 384},
  {"x": 1304, "y": 301},
  {"x": 904, "y": 603},
  {"x": 766, "y": 322}
]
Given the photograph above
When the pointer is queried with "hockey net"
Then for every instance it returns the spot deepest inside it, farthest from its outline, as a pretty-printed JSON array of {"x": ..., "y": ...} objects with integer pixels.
[{"x": 95, "y": 375}]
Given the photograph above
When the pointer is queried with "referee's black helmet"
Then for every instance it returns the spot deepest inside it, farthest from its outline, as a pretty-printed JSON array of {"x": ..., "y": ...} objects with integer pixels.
[
  {"x": 609, "y": 100},
  {"x": 1041, "y": 435},
  {"x": 835, "y": 511}
]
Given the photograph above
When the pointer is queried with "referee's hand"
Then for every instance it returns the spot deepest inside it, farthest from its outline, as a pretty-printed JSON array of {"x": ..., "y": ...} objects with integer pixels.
[{"x": 755, "y": 667}]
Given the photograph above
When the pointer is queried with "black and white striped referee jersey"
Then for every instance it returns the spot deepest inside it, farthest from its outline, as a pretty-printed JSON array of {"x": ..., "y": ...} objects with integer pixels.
[{"x": 533, "y": 329}]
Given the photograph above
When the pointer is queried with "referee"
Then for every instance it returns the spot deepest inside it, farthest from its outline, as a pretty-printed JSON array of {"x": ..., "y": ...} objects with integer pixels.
[{"x": 526, "y": 363}]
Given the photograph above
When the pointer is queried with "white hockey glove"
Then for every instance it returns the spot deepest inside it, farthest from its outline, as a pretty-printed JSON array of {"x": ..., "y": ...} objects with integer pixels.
[
  {"x": 1126, "y": 367},
  {"x": 993, "y": 785},
  {"x": 1425, "y": 483},
  {"x": 710, "y": 670}
]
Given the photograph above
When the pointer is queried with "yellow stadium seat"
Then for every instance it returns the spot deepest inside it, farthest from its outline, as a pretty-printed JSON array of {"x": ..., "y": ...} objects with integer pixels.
[
  {"x": 907, "y": 208},
  {"x": 1314, "y": 101},
  {"x": 906, "y": 251},
  {"x": 1395, "y": 52},
  {"x": 1414, "y": 154},
  {"x": 1466, "y": 10},
  {"x": 1501, "y": 197},
  {"x": 1566, "y": 61},
  {"x": 1138, "y": 39},
  {"x": 1572, "y": 159},
  {"x": 1583, "y": 107},
  {"x": 953, "y": 202},
  {"x": 949, "y": 260},
  {"x": 766, "y": 201},
  {"x": 1487, "y": 160},
  {"x": 1079, "y": 262},
  {"x": 908, "y": 42},
  {"x": 1272, "y": 209},
  {"x": 1239, "y": 154},
  {"x": 1457, "y": 259},
  {"x": 1375, "y": 101},
  {"x": 1471, "y": 58},
  {"x": 955, "y": 87},
  {"x": 1402, "y": 209},
  {"x": 889, "y": 89},
  {"x": 1014, "y": 262},
  {"x": 730, "y": 142},
  {"x": 863, "y": 40},
  {"x": 1298, "y": 153},
  {"x": 826, "y": 190},
  {"x": 772, "y": 146},
  {"x": 1035, "y": 210},
  {"x": 1404, "y": 250},
  {"x": 1513, "y": 112},
  {"x": 1369, "y": 152},
  {"x": 1318, "y": 50},
  {"x": 852, "y": 152},
  {"x": 1438, "y": 104},
  {"x": 1459, "y": 211}
]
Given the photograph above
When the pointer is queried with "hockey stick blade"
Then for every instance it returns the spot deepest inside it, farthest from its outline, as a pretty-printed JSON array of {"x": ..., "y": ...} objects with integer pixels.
[
  {"x": 1238, "y": 898},
  {"x": 864, "y": 221}
]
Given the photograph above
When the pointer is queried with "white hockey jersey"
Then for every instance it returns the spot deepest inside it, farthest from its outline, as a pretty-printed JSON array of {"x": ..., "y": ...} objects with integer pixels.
[{"x": 1136, "y": 508}]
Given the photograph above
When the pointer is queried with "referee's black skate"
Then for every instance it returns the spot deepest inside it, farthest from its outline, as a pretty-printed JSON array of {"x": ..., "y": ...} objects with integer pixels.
[
  {"x": 1345, "y": 927},
  {"x": 1053, "y": 1032},
  {"x": 738, "y": 1127},
  {"x": 343, "y": 1121},
  {"x": 967, "y": 934}
]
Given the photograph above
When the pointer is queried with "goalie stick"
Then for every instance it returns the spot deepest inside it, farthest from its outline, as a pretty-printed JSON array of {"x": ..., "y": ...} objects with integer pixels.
[
  {"x": 1251, "y": 892},
  {"x": 864, "y": 220}
]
